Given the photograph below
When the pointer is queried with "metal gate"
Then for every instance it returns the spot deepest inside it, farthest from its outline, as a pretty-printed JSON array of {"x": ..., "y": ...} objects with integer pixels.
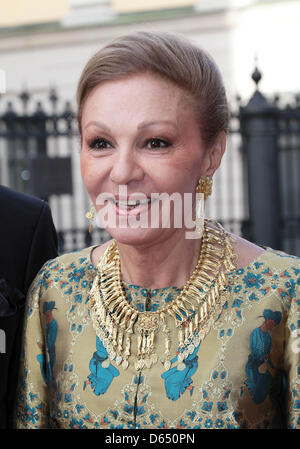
[{"x": 256, "y": 190}]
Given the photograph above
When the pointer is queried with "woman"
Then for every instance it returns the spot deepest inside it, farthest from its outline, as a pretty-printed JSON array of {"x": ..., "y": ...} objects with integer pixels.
[{"x": 157, "y": 328}]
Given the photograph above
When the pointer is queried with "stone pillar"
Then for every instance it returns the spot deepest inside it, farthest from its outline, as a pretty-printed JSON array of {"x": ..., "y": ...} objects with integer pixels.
[
  {"x": 88, "y": 12},
  {"x": 260, "y": 143}
]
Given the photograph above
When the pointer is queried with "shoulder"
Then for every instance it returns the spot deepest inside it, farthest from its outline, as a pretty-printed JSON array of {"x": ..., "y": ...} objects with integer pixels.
[
  {"x": 23, "y": 212},
  {"x": 75, "y": 257},
  {"x": 248, "y": 254},
  {"x": 64, "y": 273},
  {"x": 246, "y": 251},
  {"x": 18, "y": 202},
  {"x": 268, "y": 280},
  {"x": 266, "y": 273},
  {"x": 284, "y": 267},
  {"x": 270, "y": 275},
  {"x": 62, "y": 283}
]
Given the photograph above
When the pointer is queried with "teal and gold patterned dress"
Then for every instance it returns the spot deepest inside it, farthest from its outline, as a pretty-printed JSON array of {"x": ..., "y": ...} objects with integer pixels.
[{"x": 244, "y": 374}]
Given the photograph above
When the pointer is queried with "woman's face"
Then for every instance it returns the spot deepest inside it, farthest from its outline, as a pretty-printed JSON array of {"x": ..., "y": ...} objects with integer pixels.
[{"x": 141, "y": 133}]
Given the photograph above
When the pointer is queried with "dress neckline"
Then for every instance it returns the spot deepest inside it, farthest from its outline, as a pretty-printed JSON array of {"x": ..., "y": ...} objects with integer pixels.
[{"x": 239, "y": 271}]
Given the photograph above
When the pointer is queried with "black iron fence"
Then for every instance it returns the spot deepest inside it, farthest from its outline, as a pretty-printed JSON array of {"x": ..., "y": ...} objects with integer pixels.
[
  {"x": 38, "y": 156},
  {"x": 256, "y": 193},
  {"x": 271, "y": 145}
]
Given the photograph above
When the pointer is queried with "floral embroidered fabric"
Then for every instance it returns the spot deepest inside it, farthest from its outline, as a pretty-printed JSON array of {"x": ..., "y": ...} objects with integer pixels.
[{"x": 244, "y": 374}]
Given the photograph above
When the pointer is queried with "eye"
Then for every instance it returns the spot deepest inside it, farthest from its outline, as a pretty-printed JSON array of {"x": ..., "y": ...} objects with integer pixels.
[
  {"x": 99, "y": 144},
  {"x": 157, "y": 143}
]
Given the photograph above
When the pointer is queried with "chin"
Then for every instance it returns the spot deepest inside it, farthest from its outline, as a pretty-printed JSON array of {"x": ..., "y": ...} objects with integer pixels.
[{"x": 137, "y": 237}]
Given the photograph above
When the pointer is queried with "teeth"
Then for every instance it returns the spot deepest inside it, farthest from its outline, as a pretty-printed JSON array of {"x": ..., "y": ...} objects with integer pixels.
[{"x": 132, "y": 203}]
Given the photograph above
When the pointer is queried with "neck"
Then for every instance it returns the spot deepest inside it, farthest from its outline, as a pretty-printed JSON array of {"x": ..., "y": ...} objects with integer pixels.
[{"x": 165, "y": 263}]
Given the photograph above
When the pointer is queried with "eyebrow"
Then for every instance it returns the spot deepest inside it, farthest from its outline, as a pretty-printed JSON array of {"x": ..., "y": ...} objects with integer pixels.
[
  {"x": 145, "y": 124},
  {"x": 141, "y": 125}
]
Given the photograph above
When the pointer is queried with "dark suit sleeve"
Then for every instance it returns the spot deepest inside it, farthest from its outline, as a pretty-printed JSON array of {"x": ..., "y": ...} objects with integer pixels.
[{"x": 43, "y": 247}]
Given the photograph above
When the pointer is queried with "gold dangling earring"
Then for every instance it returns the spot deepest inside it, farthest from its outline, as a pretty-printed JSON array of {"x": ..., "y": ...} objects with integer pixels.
[
  {"x": 90, "y": 216},
  {"x": 203, "y": 190}
]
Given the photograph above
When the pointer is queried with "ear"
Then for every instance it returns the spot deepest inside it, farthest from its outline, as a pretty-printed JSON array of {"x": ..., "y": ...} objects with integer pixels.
[{"x": 215, "y": 154}]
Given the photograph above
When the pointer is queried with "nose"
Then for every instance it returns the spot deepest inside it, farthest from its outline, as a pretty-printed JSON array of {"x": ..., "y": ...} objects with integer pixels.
[{"x": 126, "y": 168}]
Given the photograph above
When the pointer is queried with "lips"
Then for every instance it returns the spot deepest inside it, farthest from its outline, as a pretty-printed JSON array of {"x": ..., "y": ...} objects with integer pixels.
[
  {"x": 128, "y": 202},
  {"x": 132, "y": 207},
  {"x": 131, "y": 204}
]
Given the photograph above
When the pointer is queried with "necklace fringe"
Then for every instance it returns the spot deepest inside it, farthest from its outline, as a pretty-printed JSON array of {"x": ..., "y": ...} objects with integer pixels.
[{"x": 194, "y": 310}]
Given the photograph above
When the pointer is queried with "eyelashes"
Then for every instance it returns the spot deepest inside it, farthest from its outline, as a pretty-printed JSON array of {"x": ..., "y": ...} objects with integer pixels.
[
  {"x": 100, "y": 143},
  {"x": 155, "y": 140}
]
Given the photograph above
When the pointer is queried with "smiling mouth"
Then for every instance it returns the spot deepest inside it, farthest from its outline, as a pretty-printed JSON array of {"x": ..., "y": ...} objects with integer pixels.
[{"x": 129, "y": 205}]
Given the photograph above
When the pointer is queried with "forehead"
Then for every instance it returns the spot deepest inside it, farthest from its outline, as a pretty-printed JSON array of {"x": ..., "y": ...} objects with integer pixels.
[{"x": 137, "y": 95}]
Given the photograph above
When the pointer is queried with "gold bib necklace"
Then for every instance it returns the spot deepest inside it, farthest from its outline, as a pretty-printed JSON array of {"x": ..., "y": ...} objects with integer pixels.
[{"x": 194, "y": 310}]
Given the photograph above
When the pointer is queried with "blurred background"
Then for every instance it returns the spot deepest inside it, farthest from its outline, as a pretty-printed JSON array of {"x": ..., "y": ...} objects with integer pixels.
[{"x": 44, "y": 46}]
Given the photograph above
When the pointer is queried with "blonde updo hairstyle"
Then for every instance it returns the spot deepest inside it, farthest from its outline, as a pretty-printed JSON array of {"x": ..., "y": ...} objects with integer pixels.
[{"x": 170, "y": 56}]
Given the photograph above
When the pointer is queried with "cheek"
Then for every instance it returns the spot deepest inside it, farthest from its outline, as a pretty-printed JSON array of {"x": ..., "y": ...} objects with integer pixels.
[
  {"x": 173, "y": 180},
  {"x": 84, "y": 167},
  {"x": 91, "y": 176},
  {"x": 178, "y": 175}
]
